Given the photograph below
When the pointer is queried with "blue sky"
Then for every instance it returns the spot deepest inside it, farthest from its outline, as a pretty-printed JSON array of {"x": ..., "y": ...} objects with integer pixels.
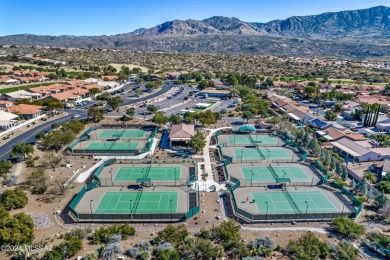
[{"x": 97, "y": 17}]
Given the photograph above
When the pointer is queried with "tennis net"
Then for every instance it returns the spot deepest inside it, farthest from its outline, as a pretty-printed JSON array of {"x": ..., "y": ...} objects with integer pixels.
[{"x": 292, "y": 202}]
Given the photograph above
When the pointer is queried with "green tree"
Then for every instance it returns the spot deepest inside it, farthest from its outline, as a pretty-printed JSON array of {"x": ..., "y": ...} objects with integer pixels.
[
  {"x": 384, "y": 186},
  {"x": 152, "y": 108},
  {"x": 361, "y": 187},
  {"x": 274, "y": 120},
  {"x": 199, "y": 249},
  {"x": 197, "y": 141},
  {"x": 37, "y": 182},
  {"x": 94, "y": 91},
  {"x": 330, "y": 115},
  {"x": 115, "y": 102},
  {"x": 383, "y": 140},
  {"x": 159, "y": 118},
  {"x": 53, "y": 103},
  {"x": 206, "y": 118},
  {"x": 380, "y": 201},
  {"x": 247, "y": 115},
  {"x": 308, "y": 247},
  {"x": 370, "y": 176},
  {"x": 338, "y": 107},
  {"x": 64, "y": 250},
  {"x": 344, "y": 175},
  {"x": 73, "y": 125},
  {"x": 95, "y": 113},
  {"x": 174, "y": 235},
  {"x": 103, "y": 234},
  {"x": 5, "y": 167},
  {"x": 17, "y": 229},
  {"x": 175, "y": 119},
  {"x": 227, "y": 233},
  {"x": 345, "y": 251},
  {"x": 347, "y": 228},
  {"x": 22, "y": 150},
  {"x": 13, "y": 199},
  {"x": 130, "y": 111}
]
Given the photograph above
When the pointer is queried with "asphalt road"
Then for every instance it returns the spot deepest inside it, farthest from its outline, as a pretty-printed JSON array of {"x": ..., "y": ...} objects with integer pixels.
[{"x": 29, "y": 136}]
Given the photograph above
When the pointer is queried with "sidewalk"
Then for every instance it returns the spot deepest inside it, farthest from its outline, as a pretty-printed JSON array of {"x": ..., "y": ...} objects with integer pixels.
[{"x": 205, "y": 185}]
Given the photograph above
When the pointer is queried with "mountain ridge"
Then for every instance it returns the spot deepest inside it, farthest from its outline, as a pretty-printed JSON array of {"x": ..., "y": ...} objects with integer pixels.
[{"x": 368, "y": 27}]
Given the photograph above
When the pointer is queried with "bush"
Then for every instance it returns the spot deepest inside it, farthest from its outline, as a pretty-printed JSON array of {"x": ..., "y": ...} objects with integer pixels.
[
  {"x": 68, "y": 248},
  {"x": 172, "y": 234},
  {"x": 348, "y": 228},
  {"x": 103, "y": 234},
  {"x": 37, "y": 182},
  {"x": 17, "y": 229},
  {"x": 309, "y": 246},
  {"x": 384, "y": 186},
  {"x": 5, "y": 167},
  {"x": 13, "y": 199},
  {"x": 262, "y": 246},
  {"x": 77, "y": 233}
]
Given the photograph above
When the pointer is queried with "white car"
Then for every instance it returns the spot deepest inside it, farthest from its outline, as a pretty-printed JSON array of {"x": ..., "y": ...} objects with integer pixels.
[{"x": 76, "y": 116}]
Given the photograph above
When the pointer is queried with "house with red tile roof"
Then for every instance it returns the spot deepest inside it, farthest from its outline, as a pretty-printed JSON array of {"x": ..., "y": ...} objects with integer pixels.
[
  {"x": 109, "y": 78},
  {"x": 27, "y": 111}
]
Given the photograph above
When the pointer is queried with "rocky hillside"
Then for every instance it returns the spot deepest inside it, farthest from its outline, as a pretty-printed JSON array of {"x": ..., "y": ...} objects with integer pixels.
[
  {"x": 367, "y": 23},
  {"x": 359, "y": 33}
]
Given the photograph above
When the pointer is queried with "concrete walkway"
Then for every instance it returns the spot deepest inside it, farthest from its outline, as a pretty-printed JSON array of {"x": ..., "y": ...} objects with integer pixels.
[{"x": 205, "y": 185}]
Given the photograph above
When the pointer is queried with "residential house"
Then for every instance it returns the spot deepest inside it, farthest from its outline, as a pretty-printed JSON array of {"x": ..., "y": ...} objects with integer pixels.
[
  {"x": 216, "y": 83},
  {"x": 7, "y": 120},
  {"x": 320, "y": 124},
  {"x": 359, "y": 151},
  {"x": 21, "y": 94},
  {"x": 172, "y": 74},
  {"x": 180, "y": 135},
  {"x": 383, "y": 125},
  {"x": 109, "y": 78},
  {"x": 299, "y": 116},
  {"x": 11, "y": 82},
  {"x": 5, "y": 104},
  {"x": 382, "y": 100},
  {"x": 74, "y": 95},
  {"x": 27, "y": 111}
]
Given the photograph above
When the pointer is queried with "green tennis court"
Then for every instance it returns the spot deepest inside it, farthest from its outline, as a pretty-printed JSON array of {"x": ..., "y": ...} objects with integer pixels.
[
  {"x": 262, "y": 153},
  {"x": 270, "y": 173},
  {"x": 293, "y": 202},
  {"x": 154, "y": 173},
  {"x": 250, "y": 139},
  {"x": 108, "y": 146},
  {"x": 122, "y": 133},
  {"x": 149, "y": 202}
]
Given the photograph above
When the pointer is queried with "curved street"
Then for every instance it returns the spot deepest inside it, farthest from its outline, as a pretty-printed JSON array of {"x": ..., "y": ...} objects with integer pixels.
[{"x": 29, "y": 136}]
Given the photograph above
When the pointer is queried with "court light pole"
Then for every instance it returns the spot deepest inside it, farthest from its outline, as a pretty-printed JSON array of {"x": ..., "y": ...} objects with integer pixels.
[
  {"x": 307, "y": 207},
  {"x": 268, "y": 154},
  {"x": 112, "y": 181},
  {"x": 252, "y": 178},
  {"x": 90, "y": 207},
  {"x": 266, "y": 214},
  {"x": 170, "y": 202},
  {"x": 242, "y": 154},
  {"x": 131, "y": 215}
]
